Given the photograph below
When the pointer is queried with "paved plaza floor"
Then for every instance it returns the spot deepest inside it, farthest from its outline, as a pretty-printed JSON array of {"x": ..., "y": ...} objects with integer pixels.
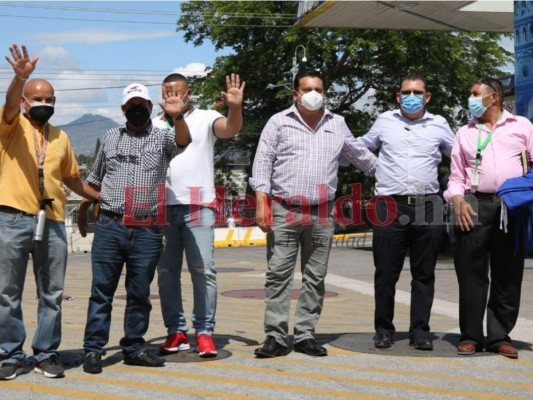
[{"x": 352, "y": 370}]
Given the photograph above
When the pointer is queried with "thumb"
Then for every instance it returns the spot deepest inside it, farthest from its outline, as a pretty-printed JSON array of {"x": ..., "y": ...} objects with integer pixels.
[{"x": 34, "y": 61}]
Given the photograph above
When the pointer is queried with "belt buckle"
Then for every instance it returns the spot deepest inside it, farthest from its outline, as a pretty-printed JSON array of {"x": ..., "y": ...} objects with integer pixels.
[{"x": 411, "y": 200}]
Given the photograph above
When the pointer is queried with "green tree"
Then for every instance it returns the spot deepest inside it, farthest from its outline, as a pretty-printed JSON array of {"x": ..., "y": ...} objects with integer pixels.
[
  {"x": 358, "y": 65},
  {"x": 86, "y": 161}
]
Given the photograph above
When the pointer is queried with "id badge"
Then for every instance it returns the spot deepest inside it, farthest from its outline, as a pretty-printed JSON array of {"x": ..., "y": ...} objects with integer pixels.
[{"x": 474, "y": 180}]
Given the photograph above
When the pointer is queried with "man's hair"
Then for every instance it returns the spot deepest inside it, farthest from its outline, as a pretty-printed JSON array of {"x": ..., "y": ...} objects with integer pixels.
[
  {"x": 175, "y": 77},
  {"x": 494, "y": 84},
  {"x": 415, "y": 77},
  {"x": 305, "y": 74}
]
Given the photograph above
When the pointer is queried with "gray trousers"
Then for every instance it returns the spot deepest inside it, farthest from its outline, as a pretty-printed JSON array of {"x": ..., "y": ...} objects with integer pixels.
[{"x": 294, "y": 228}]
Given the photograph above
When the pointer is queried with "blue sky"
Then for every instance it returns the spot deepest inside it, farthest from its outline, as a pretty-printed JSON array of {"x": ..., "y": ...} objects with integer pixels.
[
  {"x": 79, "y": 47},
  {"x": 96, "y": 45}
]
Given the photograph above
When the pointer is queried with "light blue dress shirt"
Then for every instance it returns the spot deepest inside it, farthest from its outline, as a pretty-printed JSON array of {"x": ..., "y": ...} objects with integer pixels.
[{"x": 409, "y": 152}]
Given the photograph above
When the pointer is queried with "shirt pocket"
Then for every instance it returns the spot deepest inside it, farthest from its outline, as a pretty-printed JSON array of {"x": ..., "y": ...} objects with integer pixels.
[
  {"x": 152, "y": 158},
  {"x": 114, "y": 160}
]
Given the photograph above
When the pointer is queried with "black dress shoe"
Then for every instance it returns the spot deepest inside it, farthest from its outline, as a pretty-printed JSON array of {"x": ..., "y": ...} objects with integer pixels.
[
  {"x": 382, "y": 340},
  {"x": 144, "y": 359},
  {"x": 421, "y": 342},
  {"x": 310, "y": 347},
  {"x": 271, "y": 349},
  {"x": 92, "y": 363}
]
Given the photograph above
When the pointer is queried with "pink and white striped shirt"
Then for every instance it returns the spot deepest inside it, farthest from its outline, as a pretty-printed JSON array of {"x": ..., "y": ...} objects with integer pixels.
[
  {"x": 293, "y": 160},
  {"x": 501, "y": 159}
]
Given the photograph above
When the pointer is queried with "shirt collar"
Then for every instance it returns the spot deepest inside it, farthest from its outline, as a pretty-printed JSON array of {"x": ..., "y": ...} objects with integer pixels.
[
  {"x": 427, "y": 115},
  {"x": 147, "y": 130},
  {"x": 506, "y": 115},
  {"x": 294, "y": 110}
]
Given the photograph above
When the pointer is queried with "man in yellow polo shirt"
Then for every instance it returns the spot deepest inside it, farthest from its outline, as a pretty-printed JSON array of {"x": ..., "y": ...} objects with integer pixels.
[{"x": 35, "y": 158}]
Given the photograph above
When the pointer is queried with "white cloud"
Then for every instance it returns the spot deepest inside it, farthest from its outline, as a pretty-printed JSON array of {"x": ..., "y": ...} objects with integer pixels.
[
  {"x": 55, "y": 57},
  {"x": 103, "y": 97},
  {"x": 192, "y": 69},
  {"x": 88, "y": 36}
]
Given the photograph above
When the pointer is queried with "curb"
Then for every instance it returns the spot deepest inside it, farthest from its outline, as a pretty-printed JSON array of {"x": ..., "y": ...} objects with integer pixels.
[
  {"x": 238, "y": 237},
  {"x": 235, "y": 237}
]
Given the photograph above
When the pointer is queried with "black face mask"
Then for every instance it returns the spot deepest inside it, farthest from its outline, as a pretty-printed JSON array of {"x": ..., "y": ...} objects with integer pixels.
[
  {"x": 41, "y": 113},
  {"x": 138, "y": 115}
]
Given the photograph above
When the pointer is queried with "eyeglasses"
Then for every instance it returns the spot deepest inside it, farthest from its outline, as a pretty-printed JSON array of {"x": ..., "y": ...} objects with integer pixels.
[{"x": 418, "y": 92}]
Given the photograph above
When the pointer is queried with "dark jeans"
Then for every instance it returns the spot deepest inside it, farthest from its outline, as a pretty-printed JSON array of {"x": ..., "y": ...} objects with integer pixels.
[
  {"x": 419, "y": 229},
  {"x": 488, "y": 245},
  {"x": 115, "y": 244}
]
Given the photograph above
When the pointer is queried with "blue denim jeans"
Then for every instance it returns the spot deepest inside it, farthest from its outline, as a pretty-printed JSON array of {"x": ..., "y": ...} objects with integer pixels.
[
  {"x": 49, "y": 264},
  {"x": 115, "y": 244},
  {"x": 190, "y": 230}
]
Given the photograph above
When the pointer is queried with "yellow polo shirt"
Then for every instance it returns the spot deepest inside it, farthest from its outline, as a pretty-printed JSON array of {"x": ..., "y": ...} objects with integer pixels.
[{"x": 19, "y": 180}]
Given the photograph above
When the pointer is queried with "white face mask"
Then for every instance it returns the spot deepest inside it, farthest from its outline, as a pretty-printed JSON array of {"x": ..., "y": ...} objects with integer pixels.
[{"x": 312, "y": 100}]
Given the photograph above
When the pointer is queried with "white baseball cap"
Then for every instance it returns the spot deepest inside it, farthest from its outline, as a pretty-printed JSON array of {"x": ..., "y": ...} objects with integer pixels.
[{"x": 135, "y": 90}]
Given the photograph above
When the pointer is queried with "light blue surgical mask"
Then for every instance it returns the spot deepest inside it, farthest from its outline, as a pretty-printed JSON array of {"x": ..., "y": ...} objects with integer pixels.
[
  {"x": 476, "y": 107},
  {"x": 412, "y": 103}
]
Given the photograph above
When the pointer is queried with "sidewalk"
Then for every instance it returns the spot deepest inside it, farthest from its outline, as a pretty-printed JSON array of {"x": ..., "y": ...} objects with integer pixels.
[{"x": 353, "y": 369}]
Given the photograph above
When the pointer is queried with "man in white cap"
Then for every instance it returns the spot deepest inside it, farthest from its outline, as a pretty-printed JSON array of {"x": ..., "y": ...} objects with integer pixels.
[{"x": 129, "y": 171}]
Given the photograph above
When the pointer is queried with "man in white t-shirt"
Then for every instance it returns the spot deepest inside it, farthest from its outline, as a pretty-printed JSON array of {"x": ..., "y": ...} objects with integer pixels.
[{"x": 191, "y": 203}]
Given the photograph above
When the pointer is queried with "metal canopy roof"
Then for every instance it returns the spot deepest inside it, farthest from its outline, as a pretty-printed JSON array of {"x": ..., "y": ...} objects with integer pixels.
[{"x": 451, "y": 15}]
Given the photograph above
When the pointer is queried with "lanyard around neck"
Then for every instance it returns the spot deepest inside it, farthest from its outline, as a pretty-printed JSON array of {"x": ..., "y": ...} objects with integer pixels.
[
  {"x": 40, "y": 154},
  {"x": 481, "y": 145}
]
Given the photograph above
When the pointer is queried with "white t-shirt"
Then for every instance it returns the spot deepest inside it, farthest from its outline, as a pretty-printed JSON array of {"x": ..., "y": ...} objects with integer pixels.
[{"x": 194, "y": 167}]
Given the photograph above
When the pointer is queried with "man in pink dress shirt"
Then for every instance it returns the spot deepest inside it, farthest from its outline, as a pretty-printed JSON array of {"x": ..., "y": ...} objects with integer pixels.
[{"x": 486, "y": 152}]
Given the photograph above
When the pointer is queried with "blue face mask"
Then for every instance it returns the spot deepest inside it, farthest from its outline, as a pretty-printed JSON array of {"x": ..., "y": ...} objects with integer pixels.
[
  {"x": 412, "y": 103},
  {"x": 476, "y": 107}
]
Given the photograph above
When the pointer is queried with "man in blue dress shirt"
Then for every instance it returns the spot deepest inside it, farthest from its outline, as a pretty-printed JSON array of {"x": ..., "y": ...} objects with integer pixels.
[{"x": 408, "y": 215}]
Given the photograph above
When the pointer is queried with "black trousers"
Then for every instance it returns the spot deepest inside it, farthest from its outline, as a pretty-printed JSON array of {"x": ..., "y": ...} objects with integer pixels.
[
  {"x": 420, "y": 229},
  {"x": 483, "y": 247}
]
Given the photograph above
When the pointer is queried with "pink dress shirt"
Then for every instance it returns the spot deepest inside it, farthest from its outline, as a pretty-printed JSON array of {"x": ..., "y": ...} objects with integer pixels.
[{"x": 501, "y": 159}]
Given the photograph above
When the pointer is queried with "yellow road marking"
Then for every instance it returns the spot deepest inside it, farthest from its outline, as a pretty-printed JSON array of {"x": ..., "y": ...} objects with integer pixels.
[{"x": 61, "y": 391}]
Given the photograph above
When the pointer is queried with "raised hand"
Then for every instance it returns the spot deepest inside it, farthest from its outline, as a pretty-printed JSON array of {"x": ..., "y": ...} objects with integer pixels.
[
  {"x": 172, "y": 104},
  {"x": 21, "y": 63},
  {"x": 234, "y": 91}
]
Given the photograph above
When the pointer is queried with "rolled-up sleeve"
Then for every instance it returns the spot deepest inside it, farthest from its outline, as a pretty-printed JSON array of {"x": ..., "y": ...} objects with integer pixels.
[{"x": 98, "y": 171}]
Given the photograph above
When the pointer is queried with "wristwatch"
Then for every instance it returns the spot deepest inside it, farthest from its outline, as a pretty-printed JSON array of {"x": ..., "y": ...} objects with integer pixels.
[{"x": 178, "y": 117}]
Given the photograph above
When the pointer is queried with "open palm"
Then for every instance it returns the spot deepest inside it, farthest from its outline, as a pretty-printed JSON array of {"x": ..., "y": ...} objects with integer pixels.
[
  {"x": 21, "y": 63},
  {"x": 234, "y": 91}
]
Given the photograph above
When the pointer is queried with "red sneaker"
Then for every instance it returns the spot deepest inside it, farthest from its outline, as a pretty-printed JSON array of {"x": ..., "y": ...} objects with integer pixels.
[
  {"x": 205, "y": 345},
  {"x": 175, "y": 342}
]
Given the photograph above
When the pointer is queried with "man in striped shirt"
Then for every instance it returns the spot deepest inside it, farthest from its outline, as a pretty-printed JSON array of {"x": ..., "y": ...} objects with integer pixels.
[{"x": 295, "y": 179}]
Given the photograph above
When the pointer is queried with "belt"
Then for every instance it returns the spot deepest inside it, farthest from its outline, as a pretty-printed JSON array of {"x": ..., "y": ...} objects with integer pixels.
[
  {"x": 112, "y": 215},
  {"x": 11, "y": 210},
  {"x": 490, "y": 197},
  {"x": 119, "y": 218},
  {"x": 284, "y": 203},
  {"x": 411, "y": 199}
]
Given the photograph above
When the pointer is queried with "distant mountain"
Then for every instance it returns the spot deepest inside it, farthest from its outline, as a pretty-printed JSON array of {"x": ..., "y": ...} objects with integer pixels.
[{"x": 83, "y": 132}]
